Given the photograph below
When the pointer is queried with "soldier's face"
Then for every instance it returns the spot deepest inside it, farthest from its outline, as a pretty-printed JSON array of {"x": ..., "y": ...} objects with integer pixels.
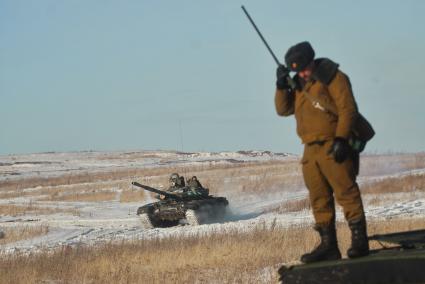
[{"x": 306, "y": 73}]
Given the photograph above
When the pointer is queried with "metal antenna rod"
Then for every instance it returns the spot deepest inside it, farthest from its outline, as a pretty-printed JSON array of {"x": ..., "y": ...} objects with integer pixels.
[
  {"x": 261, "y": 36},
  {"x": 291, "y": 82}
]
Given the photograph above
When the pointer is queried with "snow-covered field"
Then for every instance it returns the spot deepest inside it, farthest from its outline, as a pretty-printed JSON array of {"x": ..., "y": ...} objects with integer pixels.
[
  {"x": 113, "y": 220},
  {"x": 57, "y": 164}
]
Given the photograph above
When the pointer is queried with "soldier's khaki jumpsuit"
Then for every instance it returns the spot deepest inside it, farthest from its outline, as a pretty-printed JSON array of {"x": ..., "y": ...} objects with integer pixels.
[{"x": 324, "y": 177}]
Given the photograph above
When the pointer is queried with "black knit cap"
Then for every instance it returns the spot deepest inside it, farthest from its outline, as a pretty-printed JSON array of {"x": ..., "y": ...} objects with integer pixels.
[{"x": 299, "y": 56}]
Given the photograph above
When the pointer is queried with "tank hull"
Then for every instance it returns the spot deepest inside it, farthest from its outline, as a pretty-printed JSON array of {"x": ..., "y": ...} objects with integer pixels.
[{"x": 167, "y": 213}]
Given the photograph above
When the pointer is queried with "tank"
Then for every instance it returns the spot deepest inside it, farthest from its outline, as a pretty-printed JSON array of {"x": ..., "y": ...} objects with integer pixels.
[
  {"x": 404, "y": 262},
  {"x": 173, "y": 209}
]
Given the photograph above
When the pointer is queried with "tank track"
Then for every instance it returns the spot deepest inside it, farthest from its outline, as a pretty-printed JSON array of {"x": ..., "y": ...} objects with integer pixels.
[
  {"x": 146, "y": 221},
  {"x": 192, "y": 218}
]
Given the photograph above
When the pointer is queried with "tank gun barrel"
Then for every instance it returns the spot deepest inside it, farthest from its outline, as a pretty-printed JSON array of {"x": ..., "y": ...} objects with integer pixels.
[{"x": 154, "y": 190}]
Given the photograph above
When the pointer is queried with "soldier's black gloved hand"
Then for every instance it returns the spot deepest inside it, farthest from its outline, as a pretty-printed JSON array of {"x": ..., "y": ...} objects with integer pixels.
[
  {"x": 281, "y": 74},
  {"x": 340, "y": 149}
]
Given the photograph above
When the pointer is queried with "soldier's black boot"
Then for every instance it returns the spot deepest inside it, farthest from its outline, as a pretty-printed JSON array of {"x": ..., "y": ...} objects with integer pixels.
[
  {"x": 359, "y": 241},
  {"x": 328, "y": 247}
]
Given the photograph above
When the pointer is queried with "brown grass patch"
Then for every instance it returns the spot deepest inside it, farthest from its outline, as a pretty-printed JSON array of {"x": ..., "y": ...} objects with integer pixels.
[
  {"x": 292, "y": 206},
  {"x": 30, "y": 208},
  {"x": 232, "y": 257},
  {"x": 388, "y": 164},
  {"x": 93, "y": 177},
  {"x": 82, "y": 196},
  {"x": 411, "y": 183},
  {"x": 18, "y": 193},
  {"x": 15, "y": 234},
  {"x": 132, "y": 196}
]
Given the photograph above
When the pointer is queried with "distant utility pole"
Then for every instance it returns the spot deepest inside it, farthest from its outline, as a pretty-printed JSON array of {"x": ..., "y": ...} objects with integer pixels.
[{"x": 181, "y": 135}]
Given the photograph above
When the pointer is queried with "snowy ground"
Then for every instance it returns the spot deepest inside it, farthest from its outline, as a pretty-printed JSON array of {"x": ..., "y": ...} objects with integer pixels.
[
  {"x": 56, "y": 164},
  {"x": 104, "y": 221}
]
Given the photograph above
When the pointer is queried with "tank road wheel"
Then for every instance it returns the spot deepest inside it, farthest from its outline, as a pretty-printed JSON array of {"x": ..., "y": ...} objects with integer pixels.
[
  {"x": 146, "y": 221},
  {"x": 192, "y": 218}
]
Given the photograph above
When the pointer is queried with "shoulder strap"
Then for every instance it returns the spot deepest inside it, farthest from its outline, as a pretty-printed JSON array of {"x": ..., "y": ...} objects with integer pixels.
[
  {"x": 362, "y": 128},
  {"x": 323, "y": 106}
]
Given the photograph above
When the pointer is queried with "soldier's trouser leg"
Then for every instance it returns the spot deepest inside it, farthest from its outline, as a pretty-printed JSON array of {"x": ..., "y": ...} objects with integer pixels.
[
  {"x": 320, "y": 192},
  {"x": 342, "y": 179},
  {"x": 325, "y": 178}
]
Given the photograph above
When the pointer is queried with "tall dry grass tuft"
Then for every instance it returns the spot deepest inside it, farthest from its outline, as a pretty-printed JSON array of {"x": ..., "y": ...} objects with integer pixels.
[
  {"x": 371, "y": 165},
  {"x": 18, "y": 193},
  {"x": 14, "y": 234},
  {"x": 411, "y": 183},
  {"x": 132, "y": 196},
  {"x": 82, "y": 196},
  {"x": 30, "y": 208},
  {"x": 295, "y": 205},
  {"x": 231, "y": 257}
]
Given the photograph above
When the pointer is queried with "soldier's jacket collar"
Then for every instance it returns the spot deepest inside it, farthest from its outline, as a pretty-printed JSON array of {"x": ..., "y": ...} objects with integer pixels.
[{"x": 325, "y": 70}]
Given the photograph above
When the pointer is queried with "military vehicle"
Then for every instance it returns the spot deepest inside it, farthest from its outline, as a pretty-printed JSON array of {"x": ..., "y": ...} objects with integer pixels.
[
  {"x": 186, "y": 208},
  {"x": 403, "y": 262}
]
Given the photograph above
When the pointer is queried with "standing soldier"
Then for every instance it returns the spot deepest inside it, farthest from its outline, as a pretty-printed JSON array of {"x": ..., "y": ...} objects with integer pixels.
[{"x": 329, "y": 163}]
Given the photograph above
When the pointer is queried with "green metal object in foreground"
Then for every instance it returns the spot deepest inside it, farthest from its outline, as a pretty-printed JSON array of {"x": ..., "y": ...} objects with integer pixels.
[{"x": 402, "y": 264}]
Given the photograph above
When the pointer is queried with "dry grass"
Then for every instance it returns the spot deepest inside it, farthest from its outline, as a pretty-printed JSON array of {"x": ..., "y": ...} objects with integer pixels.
[
  {"x": 292, "y": 206},
  {"x": 18, "y": 193},
  {"x": 132, "y": 196},
  {"x": 389, "y": 164},
  {"x": 15, "y": 234},
  {"x": 233, "y": 257},
  {"x": 115, "y": 175},
  {"x": 82, "y": 196},
  {"x": 30, "y": 208},
  {"x": 248, "y": 177},
  {"x": 411, "y": 183},
  {"x": 263, "y": 177},
  {"x": 255, "y": 177}
]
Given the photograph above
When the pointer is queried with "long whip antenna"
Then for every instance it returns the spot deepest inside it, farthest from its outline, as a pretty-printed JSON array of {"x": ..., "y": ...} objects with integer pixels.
[
  {"x": 288, "y": 78},
  {"x": 261, "y": 36}
]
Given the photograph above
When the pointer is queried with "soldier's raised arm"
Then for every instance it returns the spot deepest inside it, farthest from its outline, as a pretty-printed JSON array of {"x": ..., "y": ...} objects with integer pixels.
[{"x": 284, "y": 99}]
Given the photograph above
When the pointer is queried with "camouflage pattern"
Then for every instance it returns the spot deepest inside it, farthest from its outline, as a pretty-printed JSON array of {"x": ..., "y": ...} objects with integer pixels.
[
  {"x": 195, "y": 188},
  {"x": 192, "y": 188},
  {"x": 191, "y": 203}
]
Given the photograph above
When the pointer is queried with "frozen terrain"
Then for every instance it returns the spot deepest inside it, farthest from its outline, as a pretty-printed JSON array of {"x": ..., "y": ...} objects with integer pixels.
[
  {"x": 103, "y": 221},
  {"x": 56, "y": 164}
]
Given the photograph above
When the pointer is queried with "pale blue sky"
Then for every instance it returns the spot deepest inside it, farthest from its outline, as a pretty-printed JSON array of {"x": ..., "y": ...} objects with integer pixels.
[{"x": 125, "y": 75}]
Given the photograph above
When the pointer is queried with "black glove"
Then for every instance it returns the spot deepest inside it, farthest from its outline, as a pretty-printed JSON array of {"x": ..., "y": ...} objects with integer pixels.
[
  {"x": 282, "y": 74},
  {"x": 340, "y": 149}
]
